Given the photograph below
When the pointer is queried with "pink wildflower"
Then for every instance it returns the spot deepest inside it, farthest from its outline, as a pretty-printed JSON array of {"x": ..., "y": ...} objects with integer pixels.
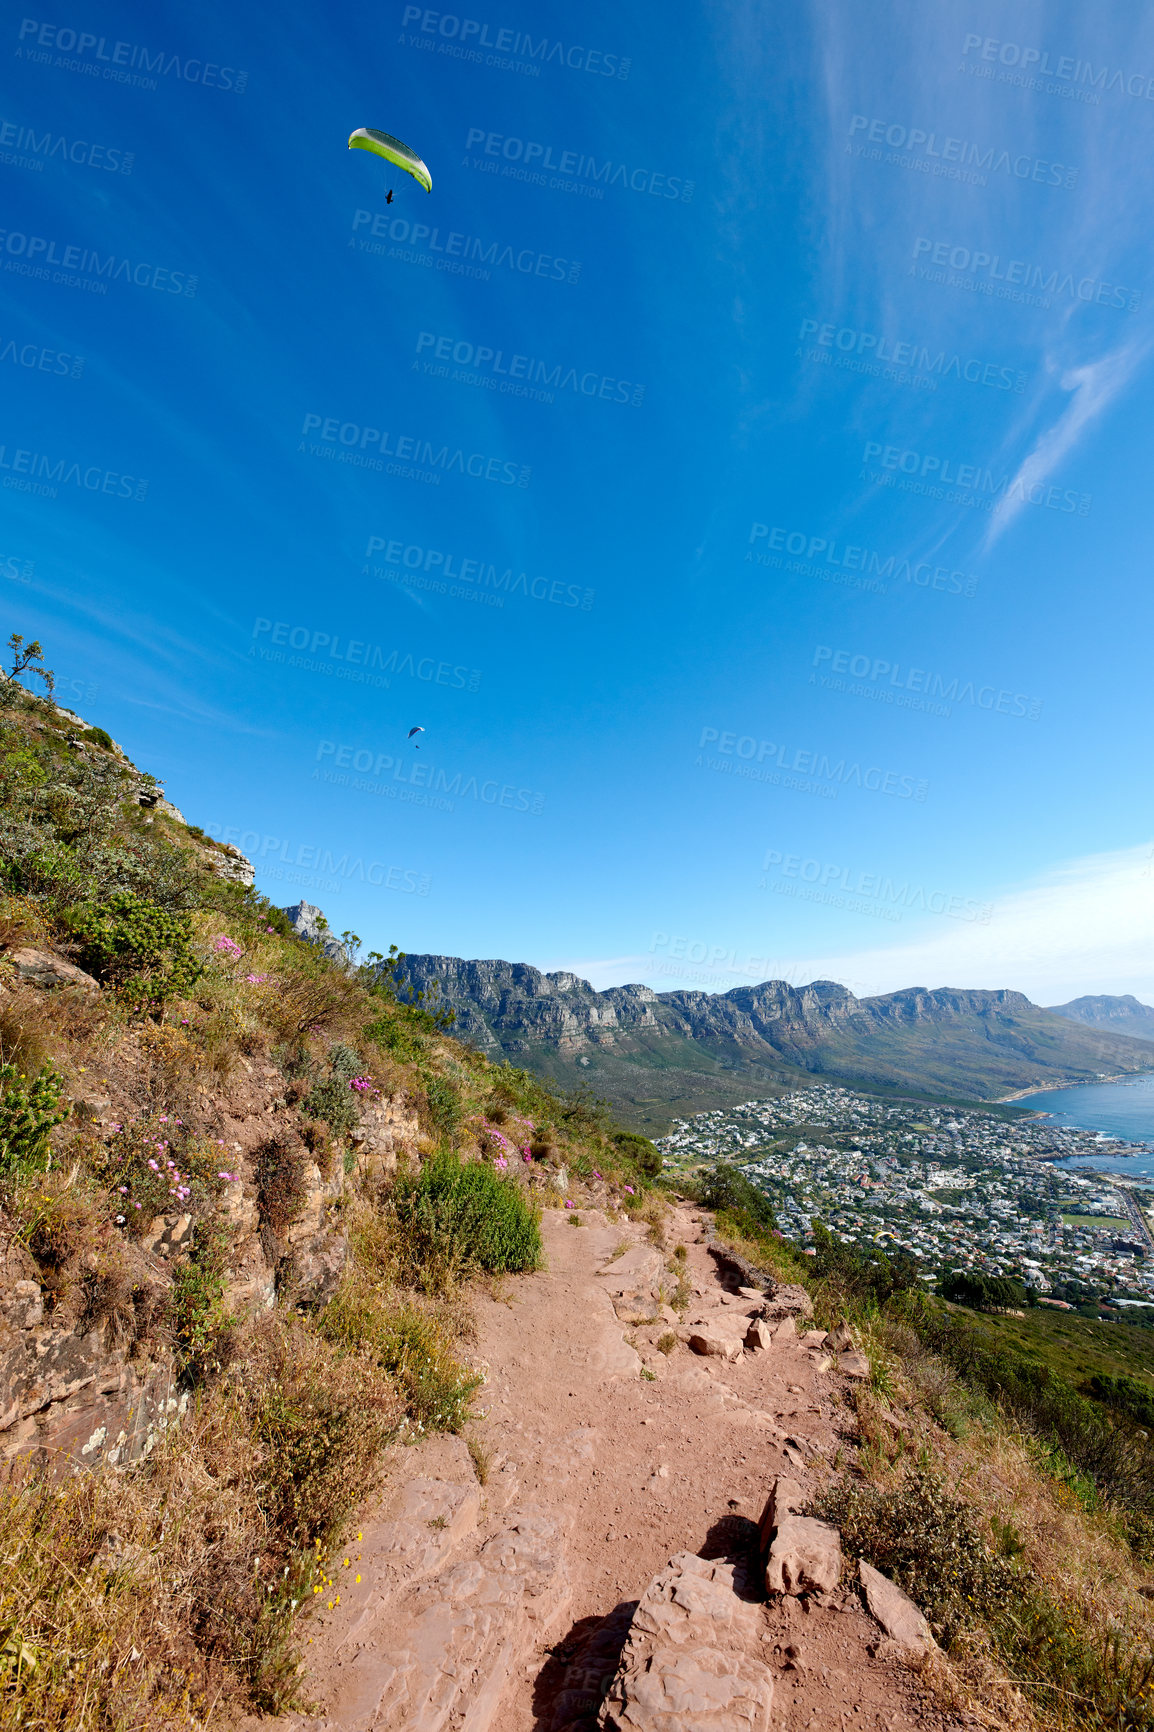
[
  {"x": 123, "y": 1189},
  {"x": 629, "y": 1188},
  {"x": 568, "y": 1204},
  {"x": 154, "y": 1166},
  {"x": 596, "y": 1174}
]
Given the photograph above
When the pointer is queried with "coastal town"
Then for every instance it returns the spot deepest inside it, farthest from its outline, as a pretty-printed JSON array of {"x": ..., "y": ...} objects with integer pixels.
[{"x": 953, "y": 1188}]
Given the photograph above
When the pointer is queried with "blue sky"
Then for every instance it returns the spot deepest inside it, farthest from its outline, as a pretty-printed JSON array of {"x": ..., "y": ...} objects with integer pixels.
[{"x": 737, "y": 465}]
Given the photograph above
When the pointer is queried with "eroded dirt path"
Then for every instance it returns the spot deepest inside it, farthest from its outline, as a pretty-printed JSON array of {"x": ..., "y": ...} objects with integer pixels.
[{"x": 505, "y": 1606}]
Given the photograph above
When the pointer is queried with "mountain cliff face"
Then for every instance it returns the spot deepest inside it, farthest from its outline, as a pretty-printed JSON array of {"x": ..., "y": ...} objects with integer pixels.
[
  {"x": 680, "y": 1051},
  {"x": 1124, "y": 1015}
]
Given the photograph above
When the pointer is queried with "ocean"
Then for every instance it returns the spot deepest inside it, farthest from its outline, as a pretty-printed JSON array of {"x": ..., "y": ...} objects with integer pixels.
[{"x": 1118, "y": 1109}]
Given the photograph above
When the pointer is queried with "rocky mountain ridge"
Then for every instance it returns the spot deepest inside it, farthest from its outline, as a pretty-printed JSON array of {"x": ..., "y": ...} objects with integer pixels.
[{"x": 629, "y": 1039}]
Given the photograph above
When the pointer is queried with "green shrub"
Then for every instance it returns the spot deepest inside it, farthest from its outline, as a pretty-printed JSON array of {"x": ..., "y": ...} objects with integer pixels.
[
  {"x": 1125, "y": 1394},
  {"x": 644, "y": 1155},
  {"x": 726, "y": 1187},
  {"x": 143, "y": 951},
  {"x": 203, "y": 1329},
  {"x": 335, "y": 1102},
  {"x": 455, "y": 1218},
  {"x": 99, "y": 737},
  {"x": 927, "y": 1540},
  {"x": 396, "y": 1035},
  {"x": 444, "y": 1105},
  {"x": 856, "y": 1277},
  {"x": 28, "y": 1112}
]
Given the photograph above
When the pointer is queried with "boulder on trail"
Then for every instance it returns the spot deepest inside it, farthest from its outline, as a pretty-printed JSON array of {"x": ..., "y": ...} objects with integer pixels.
[
  {"x": 785, "y": 1499},
  {"x": 853, "y": 1364},
  {"x": 689, "y": 1659},
  {"x": 895, "y": 1611},
  {"x": 805, "y": 1557},
  {"x": 714, "y": 1346},
  {"x": 759, "y": 1335},
  {"x": 840, "y": 1337}
]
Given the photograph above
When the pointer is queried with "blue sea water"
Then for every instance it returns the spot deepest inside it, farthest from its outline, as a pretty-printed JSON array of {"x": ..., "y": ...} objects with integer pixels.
[{"x": 1118, "y": 1109}]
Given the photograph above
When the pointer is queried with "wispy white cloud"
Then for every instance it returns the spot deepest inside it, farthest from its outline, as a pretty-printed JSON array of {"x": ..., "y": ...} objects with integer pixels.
[
  {"x": 1094, "y": 386},
  {"x": 1087, "y": 926}
]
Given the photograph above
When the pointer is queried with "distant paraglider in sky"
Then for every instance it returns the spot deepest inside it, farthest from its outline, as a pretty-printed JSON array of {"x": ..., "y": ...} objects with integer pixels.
[
  {"x": 413, "y": 731},
  {"x": 384, "y": 144}
]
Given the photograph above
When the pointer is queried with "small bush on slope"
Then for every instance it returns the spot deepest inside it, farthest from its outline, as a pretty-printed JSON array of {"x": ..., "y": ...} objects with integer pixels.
[{"x": 456, "y": 1218}]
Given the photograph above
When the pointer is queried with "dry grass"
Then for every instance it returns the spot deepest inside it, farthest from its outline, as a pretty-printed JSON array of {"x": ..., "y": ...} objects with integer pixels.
[
  {"x": 1071, "y": 1646},
  {"x": 143, "y": 1600},
  {"x": 23, "y": 922}
]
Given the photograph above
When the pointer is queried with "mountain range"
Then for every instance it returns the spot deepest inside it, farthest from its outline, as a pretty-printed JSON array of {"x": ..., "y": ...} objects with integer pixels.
[{"x": 658, "y": 1055}]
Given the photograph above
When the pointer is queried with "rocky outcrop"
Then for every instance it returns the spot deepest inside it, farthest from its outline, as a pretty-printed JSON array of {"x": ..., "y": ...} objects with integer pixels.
[
  {"x": 689, "y": 1659},
  {"x": 310, "y": 924},
  {"x": 77, "y": 1395},
  {"x": 44, "y": 969}
]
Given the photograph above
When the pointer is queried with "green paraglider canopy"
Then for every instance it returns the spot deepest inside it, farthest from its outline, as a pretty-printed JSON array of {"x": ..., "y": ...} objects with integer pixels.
[{"x": 384, "y": 144}]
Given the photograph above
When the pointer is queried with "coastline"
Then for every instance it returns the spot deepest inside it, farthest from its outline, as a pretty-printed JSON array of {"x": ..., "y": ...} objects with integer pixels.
[{"x": 1059, "y": 1088}]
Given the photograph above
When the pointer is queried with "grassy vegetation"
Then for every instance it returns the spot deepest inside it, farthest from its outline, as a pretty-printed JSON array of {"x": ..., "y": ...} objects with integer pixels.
[
  {"x": 1015, "y": 1509},
  {"x": 169, "y": 1592}
]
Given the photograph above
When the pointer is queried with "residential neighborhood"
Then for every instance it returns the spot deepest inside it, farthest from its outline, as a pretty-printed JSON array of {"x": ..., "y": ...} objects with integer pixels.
[{"x": 956, "y": 1189}]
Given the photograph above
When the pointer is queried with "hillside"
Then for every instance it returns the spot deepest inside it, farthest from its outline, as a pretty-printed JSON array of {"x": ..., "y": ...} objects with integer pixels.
[
  {"x": 351, "y": 1376},
  {"x": 657, "y": 1055},
  {"x": 1122, "y": 1015}
]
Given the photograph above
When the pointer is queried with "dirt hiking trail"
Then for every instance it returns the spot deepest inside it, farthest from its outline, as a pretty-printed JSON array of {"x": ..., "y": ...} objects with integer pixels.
[{"x": 506, "y": 1607}]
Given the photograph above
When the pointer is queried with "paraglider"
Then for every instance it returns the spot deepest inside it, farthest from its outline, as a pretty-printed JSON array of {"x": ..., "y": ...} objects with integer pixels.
[
  {"x": 413, "y": 731},
  {"x": 389, "y": 197},
  {"x": 384, "y": 144}
]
